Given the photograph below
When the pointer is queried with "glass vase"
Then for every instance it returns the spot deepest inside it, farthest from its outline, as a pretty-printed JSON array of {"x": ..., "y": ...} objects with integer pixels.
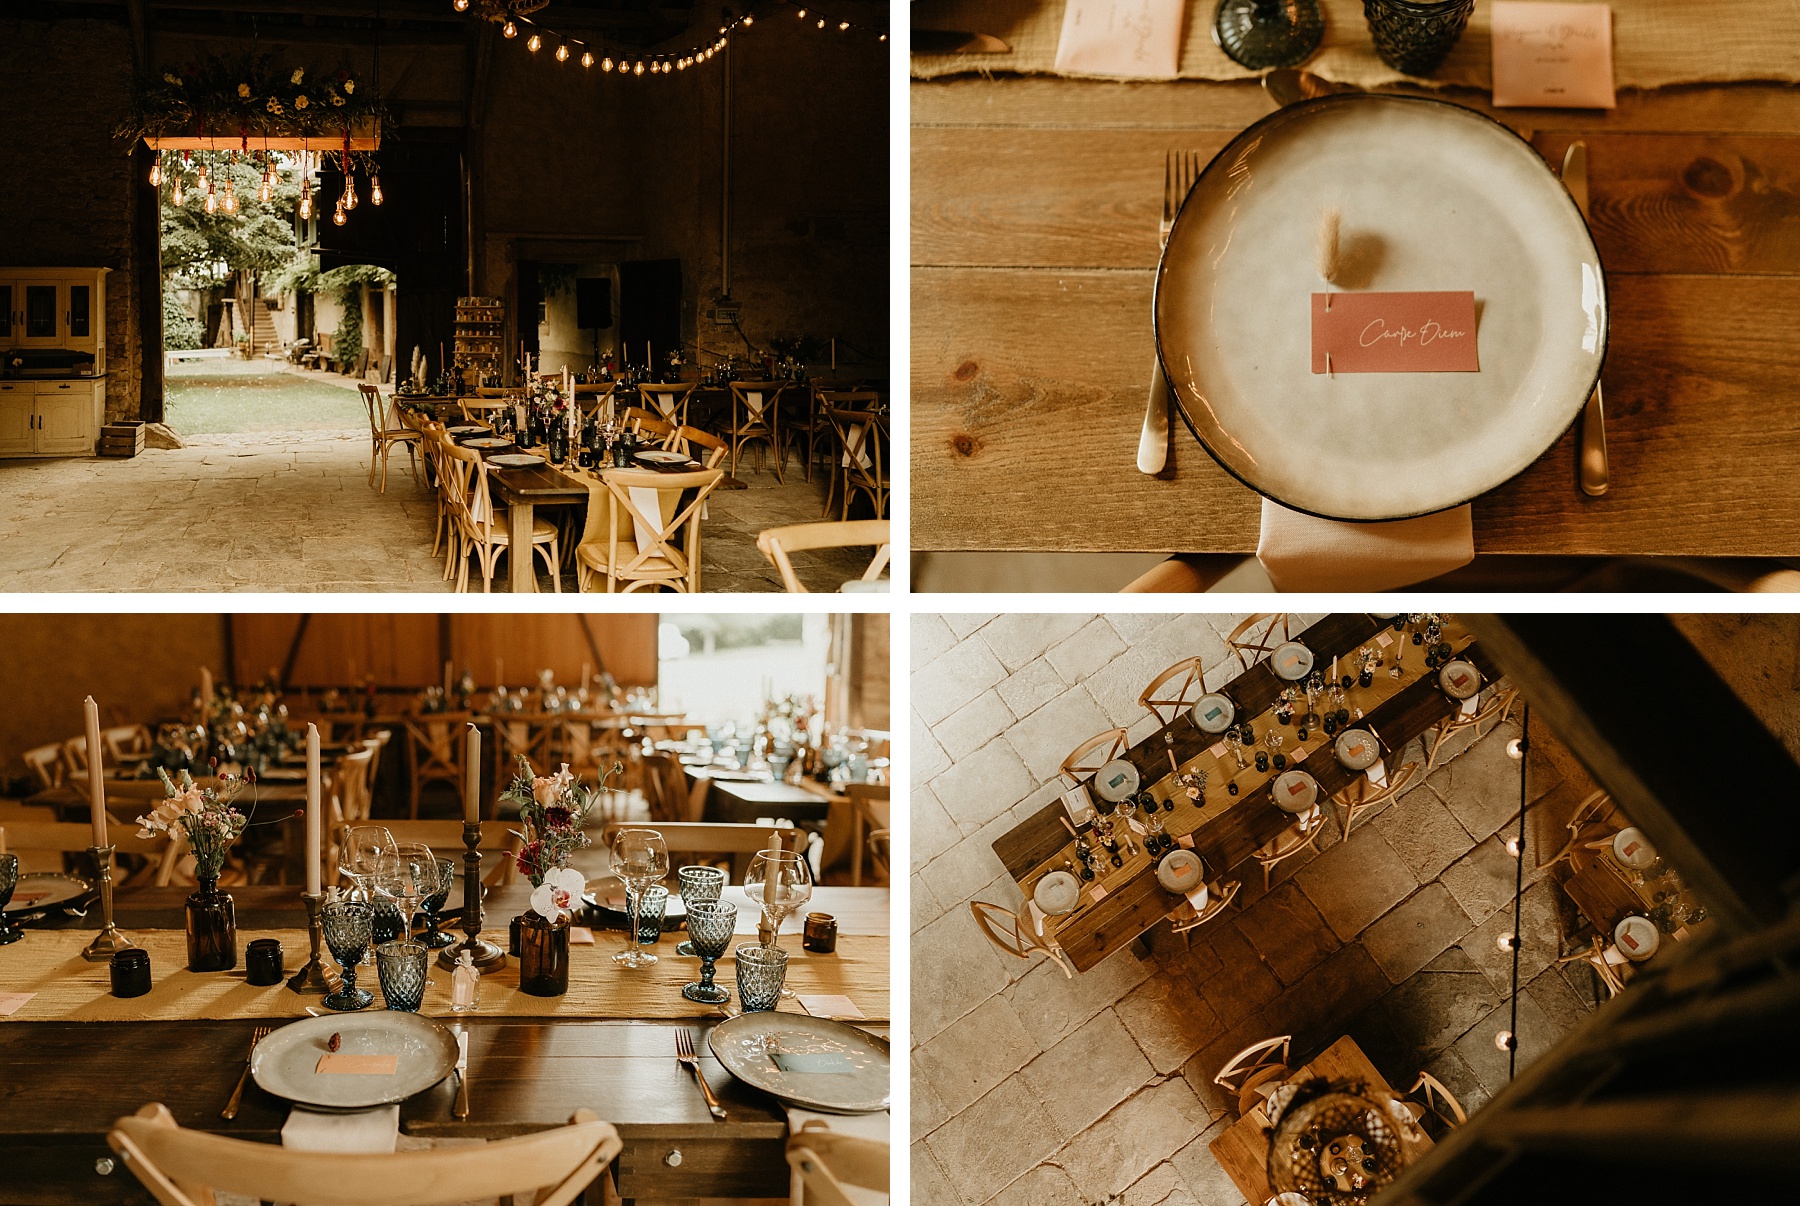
[
  {"x": 211, "y": 928},
  {"x": 1260, "y": 34},
  {"x": 543, "y": 955},
  {"x": 1415, "y": 36}
]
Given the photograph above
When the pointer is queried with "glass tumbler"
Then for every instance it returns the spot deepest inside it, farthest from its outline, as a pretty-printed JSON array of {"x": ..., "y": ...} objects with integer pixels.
[
  {"x": 761, "y": 973},
  {"x": 402, "y": 967},
  {"x": 1415, "y": 36}
]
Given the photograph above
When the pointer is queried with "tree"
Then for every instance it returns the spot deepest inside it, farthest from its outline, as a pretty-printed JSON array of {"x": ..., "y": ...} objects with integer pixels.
[{"x": 206, "y": 249}]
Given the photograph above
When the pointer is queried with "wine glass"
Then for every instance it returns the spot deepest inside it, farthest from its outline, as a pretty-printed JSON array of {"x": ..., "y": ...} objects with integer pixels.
[
  {"x": 712, "y": 924},
  {"x": 359, "y": 854},
  {"x": 349, "y": 928},
  {"x": 699, "y": 885},
  {"x": 640, "y": 857},
  {"x": 406, "y": 875},
  {"x": 434, "y": 903},
  {"x": 781, "y": 882}
]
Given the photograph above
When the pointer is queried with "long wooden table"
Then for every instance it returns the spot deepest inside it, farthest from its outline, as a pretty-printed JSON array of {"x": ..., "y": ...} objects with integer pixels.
[
  {"x": 1227, "y": 830},
  {"x": 64, "y": 1083},
  {"x": 1034, "y": 243}
]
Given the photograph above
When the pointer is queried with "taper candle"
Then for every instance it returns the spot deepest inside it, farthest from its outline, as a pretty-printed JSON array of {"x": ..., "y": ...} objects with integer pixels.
[
  {"x": 313, "y": 810},
  {"x": 446, "y": 680},
  {"x": 206, "y": 689},
  {"x": 95, "y": 769},
  {"x": 472, "y": 776},
  {"x": 773, "y": 872}
]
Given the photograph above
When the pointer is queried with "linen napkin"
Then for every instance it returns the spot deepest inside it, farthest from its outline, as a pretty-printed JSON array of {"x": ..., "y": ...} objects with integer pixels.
[
  {"x": 664, "y": 403},
  {"x": 754, "y": 400},
  {"x": 374, "y": 1130},
  {"x": 1137, "y": 38},
  {"x": 647, "y": 499},
  {"x": 1305, "y": 553},
  {"x": 856, "y": 442}
]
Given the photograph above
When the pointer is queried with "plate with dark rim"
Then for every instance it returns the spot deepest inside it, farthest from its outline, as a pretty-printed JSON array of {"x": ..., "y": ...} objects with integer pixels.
[{"x": 746, "y": 1044}]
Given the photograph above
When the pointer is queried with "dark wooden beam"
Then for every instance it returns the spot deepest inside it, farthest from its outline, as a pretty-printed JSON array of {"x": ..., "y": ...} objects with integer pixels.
[{"x": 293, "y": 653}]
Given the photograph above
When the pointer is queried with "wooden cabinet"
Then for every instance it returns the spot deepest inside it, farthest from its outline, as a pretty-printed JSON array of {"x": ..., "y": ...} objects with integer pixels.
[
  {"x": 50, "y": 418},
  {"x": 54, "y": 308}
]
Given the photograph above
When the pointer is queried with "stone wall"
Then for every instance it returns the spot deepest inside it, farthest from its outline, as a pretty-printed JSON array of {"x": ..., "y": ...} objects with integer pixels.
[{"x": 66, "y": 184}]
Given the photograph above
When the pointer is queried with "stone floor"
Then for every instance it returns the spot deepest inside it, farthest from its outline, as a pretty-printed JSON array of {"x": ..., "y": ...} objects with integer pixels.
[
  {"x": 1029, "y": 1088},
  {"x": 293, "y": 511}
]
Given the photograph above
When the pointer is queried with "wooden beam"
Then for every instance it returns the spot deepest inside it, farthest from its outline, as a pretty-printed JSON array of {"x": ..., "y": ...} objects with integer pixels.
[
  {"x": 587, "y": 631},
  {"x": 293, "y": 653}
]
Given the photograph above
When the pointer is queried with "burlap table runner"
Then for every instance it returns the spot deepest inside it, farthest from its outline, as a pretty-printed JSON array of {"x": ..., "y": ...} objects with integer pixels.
[
  {"x": 70, "y": 989},
  {"x": 1655, "y": 43}
]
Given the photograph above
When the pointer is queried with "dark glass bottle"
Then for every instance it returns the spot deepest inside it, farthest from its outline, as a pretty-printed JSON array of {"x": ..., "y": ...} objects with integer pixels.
[
  {"x": 559, "y": 443},
  {"x": 211, "y": 928},
  {"x": 543, "y": 956}
]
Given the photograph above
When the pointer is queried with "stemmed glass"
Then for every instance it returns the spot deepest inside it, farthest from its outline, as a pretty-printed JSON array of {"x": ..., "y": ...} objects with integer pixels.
[
  {"x": 349, "y": 929},
  {"x": 791, "y": 880},
  {"x": 406, "y": 875},
  {"x": 711, "y": 924},
  {"x": 699, "y": 885},
  {"x": 640, "y": 857},
  {"x": 432, "y": 904},
  {"x": 360, "y": 854}
]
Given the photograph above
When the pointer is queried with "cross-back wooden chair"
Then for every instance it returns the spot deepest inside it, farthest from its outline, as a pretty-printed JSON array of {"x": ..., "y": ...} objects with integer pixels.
[
  {"x": 827, "y": 1163},
  {"x": 703, "y": 446},
  {"x": 1093, "y": 754},
  {"x": 650, "y": 426},
  {"x": 1253, "y": 1073},
  {"x": 1175, "y": 690},
  {"x": 434, "y": 751},
  {"x": 1498, "y": 707},
  {"x": 820, "y": 395},
  {"x": 499, "y": 844},
  {"x": 1608, "y": 971},
  {"x": 432, "y": 443},
  {"x": 159, "y": 854},
  {"x": 755, "y": 418},
  {"x": 668, "y": 401},
  {"x": 385, "y": 431},
  {"x": 878, "y": 852},
  {"x": 1004, "y": 929},
  {"x": 1592, "y": 824},
  {"x": 1302, "y": 835},
  {"x": 665, "y": 789},
  {"x": 352, "y": 782},
  {"x": 1256, "y": 636},
  {"x": 126, "y": 743},
  {"x": 486, "y": 532},
  {"x": 624, "y": 544},
  {"x": 777, "y": 543},
  {"x": 597, "y": 400},
  {"x": 863, "y": 435},
  {"x": 75, "y": 756},
  {"x": 1431, "y": 1100},
  {"x": 46, "y": 762},
  {"x": 182, "y": 1167},
  {"x": 536, "y": 737},
  {"x": 1360, "y": 795},
  {"x": 1219, "y": 895}
]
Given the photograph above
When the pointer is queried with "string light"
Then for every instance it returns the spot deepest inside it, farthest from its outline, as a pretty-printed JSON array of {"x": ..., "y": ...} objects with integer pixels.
[
  {"x": 349, "y": 192},
  {"x": 562, "y": 54},
  {"x": 606, "y": 63},
  {"x": 510, "y": 30},
  {"x": 374, "y": 190},
  {"x": 305, "y": 191},
  {"x": 179, "y": 198},
  {"x": 587, "y": 60},
  {"x": 338, "y": 214},
  {"x": 461, "y": 6},
  {"x": 1505, "y": 1040},
  {"x": 533, "y": 43},
  {"x": 156, "y": 175}
]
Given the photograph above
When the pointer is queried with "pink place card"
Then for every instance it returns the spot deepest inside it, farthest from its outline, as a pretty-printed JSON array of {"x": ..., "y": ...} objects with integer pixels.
[
  {"x": 1186, "y": 839},
  {"x": 1097, "y": 893},
  {"x": 27, "y": 898},
  {"x": 1553, "y": 55},
  {"x": 580, "y": 935},
  {"x": 824, "y": 1005},
  {"x": 12, "y": 1002},
  {"x": 342, "y": 1063},
  {"x": 1384, "y": 639},
  {"x": 1300, "y": 755},
  {"x": 1217, "y": 750},
  {"x": 1137, "y": 38},
  {"x": 1394, "y": 333}
]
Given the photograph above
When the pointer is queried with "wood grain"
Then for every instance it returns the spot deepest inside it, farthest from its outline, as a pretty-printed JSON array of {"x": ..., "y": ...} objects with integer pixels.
[{"x": 1034, "y": 245}]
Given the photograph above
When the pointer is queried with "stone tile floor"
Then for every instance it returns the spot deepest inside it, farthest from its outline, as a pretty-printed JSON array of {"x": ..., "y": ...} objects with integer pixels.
[
  {"x": 293, "y": 511},
  {"x": 1029, "y": 1088}
]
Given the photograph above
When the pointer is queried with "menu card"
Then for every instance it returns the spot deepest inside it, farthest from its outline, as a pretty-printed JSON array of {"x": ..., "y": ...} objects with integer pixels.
[
  {"x": 1139, "y": 38},
  {"x": 344, "y": 1063},
  {"x": 1394, "y": 333},
  {"x": 1553, "y": 55},
  {"x": 12, "y": 1002}
]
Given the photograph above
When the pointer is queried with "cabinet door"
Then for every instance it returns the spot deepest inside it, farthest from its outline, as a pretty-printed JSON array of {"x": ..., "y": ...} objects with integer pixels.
[
  {"x": 43, "y": 310},
  {"x": 80, "y": 314},
  {"x": 9, "y": 295},
  {"x": 17, "y": 407},
  {"x": 65, "y": 423}
]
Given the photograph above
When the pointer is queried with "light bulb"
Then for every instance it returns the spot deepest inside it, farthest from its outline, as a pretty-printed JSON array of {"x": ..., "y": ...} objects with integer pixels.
[
  {"x": 374, "y": 190},
  {"x": 821, "y": 22},
  {"x": 266, "y": 191},
  {"x": 1504, "y": 942},
  {"x": 349, "y": 192},
  {"x": 338, "y": 215},
  {"x": 461, "y": 6},
  {"x": 749, "y": 20},
  {"x": 509, "y": 30},
  {"x": 305, "y": 208},
  {"x": 1514, "y": 750},
  {"x": 639, "y": 69},
  {"x": 533, "y": 43},
  {"x": 562, "y": 54},
  {"x": 587, "y": 60},
  {"x": 606, "y": 63},
  {"x": 211, "y": 205},
  {"x": 230, "y": 201},
  {"x": 1505, "y": 1040},
  {"x": 803, "y": 14},
  {"x": 156, "y": 171},
  {"x": 843, "y": 25},
  {"x": 882, "y": 38},
  {"x": 1513, "y": 848},
  {"x": 178, "y": 193},
  {"x": 681, "y": 64}
]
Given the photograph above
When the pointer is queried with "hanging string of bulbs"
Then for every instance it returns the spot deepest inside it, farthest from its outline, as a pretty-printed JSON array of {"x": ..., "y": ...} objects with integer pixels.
[
  {"x": 214, "y": 179},
  {"x": 638, "y": 62}
]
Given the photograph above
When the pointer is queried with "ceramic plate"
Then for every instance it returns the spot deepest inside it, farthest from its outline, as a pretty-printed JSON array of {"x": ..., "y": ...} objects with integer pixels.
[
  {"x": 285, "y": 1063},
  {"x": 1431, "y": 196},
  {"x": 1180, "y": 872},
  {"x": 1637, "y": 938},
  {"x": 1291, "y": 661},
  {"x": 1295, "y": 791},
  {"x": 655, "y": 457},
  {"x": 1213, "y": 713},
  {"x": 515, "y": 460},
  {"x": 1057, "y": 893},
  {"x": 488, "y": 442},
  {"x": 466, "y": 429},
  {"x": 1460, "y": 680},
  {"x": 1357, "y": 749},
  {"x": 40, "y": 890},
  {"x": 746, "y": 1043},
  {"x": 1117, "y": 780},
  {"x": 1630, "y": 847}
]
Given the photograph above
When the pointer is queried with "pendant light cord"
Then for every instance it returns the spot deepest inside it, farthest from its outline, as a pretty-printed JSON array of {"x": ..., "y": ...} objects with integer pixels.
[{"x": 1512, "y": 1053}]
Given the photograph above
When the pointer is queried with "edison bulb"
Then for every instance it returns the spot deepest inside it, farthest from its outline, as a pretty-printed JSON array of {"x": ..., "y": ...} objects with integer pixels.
[
  {"x": 179, "y": 196},
  {"x": 509, "y": 30},
  {"x": 156, "y": 173},
  {"x": 606, "y": 63},
  {"x": 821, "y": 22},
  {"x": 562, "y": 54},
  {"x": 1504, "y": 942},
  {"x": 587, "y": 60},
  {"x": 533, "y": 43},
  {"x": 803, "y": 14},
  {"x": 461, "y": 6},
  {"x": 843, "y": 25},
  {"x": 374, "y": 190},
  {"x": 211, "y": 205},
  {"x": 1505, "y": 1040},
  {"x": 639, "y": 69},
  {"x": 338, "y": 215},
  {"x": 305, "y": 208},
  {"x": 749, "y": 20}
]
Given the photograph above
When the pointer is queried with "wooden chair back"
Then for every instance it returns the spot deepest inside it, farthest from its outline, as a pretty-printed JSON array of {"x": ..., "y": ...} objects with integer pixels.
[
  {"x": 850, "y": 399},
  {"x": 1175, "y": 690},
  {"x": 183, "y": 1167},
  {"x": 1095, "y": 753},
  {"x": 667, "y": 401},
  {"x": 1591, "y": 822},
  {"x": 1361, "y": 795},
  {"x": 352, "y": 785},
  {"x": 673, "y": 556},
  {"x": 1004, "y": 929},
  {"x": 878, "y": 852},
  {"x": 1498, "y": 707},
  {"x": 1303, "y": 834},
  {"x": 1439, "y": 1101},
  {"x": 434, "y": 751},
  {"x": 68, "y": 837},
  {"x": 665, "y": 789},
  {"x": 1219, "y": 898},
  {"x": 75, "y": 756},
  {"x": 126, "y": 741},
  {"x": 863, "y": 435},
  {"x": 499, "y": 845},
  {"x": 826, "y": 1161},
  {"x": 777, "y": 543},
  {"x": 1262, "y": 1065},
  {"x": 1256, "y": 636},
  {"x": 703, "y": 446},
  {"x": 46, "y": 762},
  {"x": 372, "y": 403},
  {"x": 596, "y": 400}
]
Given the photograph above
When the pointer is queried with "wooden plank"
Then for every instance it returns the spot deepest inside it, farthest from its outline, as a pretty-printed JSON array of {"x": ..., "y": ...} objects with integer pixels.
[{"x": 1028, "y": 390}]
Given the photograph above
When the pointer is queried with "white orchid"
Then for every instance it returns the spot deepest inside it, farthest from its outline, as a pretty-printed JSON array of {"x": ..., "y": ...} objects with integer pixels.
[{"x": 555, "y": 898}]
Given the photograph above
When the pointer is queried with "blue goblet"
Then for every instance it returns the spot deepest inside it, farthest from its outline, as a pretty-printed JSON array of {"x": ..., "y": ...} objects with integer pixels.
[
  {"x": 698, "y": 886},
  {"x": 711, "y": 924},
  {"x": 349, "y": 931}
]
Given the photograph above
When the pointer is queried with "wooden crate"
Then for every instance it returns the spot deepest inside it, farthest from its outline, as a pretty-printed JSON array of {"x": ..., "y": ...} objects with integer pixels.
[{"x": 120, "y": 439}]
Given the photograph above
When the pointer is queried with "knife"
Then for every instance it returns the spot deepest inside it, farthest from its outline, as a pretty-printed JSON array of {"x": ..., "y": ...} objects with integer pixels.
[
  {"x": 461, "y": 1110},
  {"x": 1591, "y": 469},
  {"x": 955, "y": 41}
]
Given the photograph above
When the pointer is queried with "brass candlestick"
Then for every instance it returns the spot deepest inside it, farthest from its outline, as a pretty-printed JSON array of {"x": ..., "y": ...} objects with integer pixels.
[
  {"x": 484, "y": 955},
  {"x": 314, "y": 978},
  {"x": 110, "y": 940}
]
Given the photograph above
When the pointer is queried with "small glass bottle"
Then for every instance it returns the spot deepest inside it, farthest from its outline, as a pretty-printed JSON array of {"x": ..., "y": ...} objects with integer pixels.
[{"x": 465, "y": 985}]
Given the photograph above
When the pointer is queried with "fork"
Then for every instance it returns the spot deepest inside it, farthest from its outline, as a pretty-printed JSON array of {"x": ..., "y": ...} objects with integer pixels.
[
  {"x": 684, "y": 1055},
  {"x": 1180, "y": 170},
  {"x": 237, "y": 1095}
]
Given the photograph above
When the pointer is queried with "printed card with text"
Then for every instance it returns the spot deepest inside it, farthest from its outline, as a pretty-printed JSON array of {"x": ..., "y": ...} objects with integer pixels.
[
  {"x": 1553, "y": 55},
  {"x": 1137, "y": 38},
  {"x": 1394, "y": 333}
]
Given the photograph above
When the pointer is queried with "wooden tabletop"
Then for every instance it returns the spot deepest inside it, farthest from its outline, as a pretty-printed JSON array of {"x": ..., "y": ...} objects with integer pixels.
[
  {"x": 1227, "y": 830},
  {"x": 1242, "y": 1150},
  {"x": 1034, "y": 243},
  {"x": 744, "y": 802}
]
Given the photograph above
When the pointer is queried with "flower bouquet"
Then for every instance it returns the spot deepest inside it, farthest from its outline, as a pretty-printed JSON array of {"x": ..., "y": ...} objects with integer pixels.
[
  {"x": 552, "y": 812},
  {"x": 208, "y": 820}
]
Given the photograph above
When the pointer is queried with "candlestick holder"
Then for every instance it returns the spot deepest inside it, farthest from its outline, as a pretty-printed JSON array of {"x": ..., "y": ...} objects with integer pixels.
[
  {"x": 110, "y": 940},
  {"x": 484, "y": 955},
  {"x": 314, "y": 979}
]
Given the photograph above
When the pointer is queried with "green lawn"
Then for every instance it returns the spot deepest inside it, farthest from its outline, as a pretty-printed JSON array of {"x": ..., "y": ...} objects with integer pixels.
[{"x": 220, "y": 397}]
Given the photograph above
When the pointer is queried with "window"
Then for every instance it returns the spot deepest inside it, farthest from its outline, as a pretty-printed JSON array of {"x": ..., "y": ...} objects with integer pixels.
[{"x": 720, "y": 668}]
